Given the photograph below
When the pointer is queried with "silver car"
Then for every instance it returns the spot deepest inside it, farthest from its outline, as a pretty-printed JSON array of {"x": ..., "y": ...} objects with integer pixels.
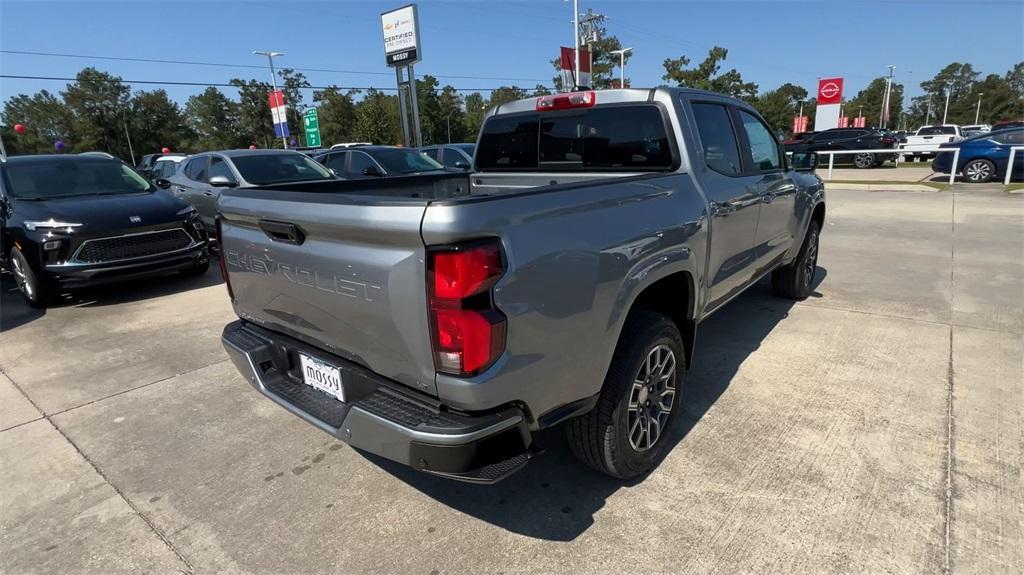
[{"x": 203, "y": 176}]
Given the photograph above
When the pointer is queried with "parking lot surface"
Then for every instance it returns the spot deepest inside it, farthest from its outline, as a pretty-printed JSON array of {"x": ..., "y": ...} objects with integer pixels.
[{"x": 877, "y": 427}]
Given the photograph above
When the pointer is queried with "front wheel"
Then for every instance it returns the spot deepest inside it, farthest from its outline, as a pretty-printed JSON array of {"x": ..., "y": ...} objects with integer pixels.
[
  {"x": 979, "y": 171},
  {"x": 863, "y": 161},
  {"x": 626, "y": 434},
  {"x": 794, "y": 280},
  {"x": 37, "y": 291}
]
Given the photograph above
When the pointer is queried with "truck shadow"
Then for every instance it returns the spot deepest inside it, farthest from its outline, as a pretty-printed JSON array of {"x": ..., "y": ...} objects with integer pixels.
[
  {"x": 15, "y": 312},
  {"x": 555, "y": 497}
]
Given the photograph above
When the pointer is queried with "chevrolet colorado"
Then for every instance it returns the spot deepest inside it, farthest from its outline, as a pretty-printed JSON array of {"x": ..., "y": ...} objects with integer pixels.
[{"x": 442, "y": 320}]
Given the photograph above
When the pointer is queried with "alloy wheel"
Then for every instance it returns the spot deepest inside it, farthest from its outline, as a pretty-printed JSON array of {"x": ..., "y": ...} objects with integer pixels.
[
  {"x": 864, "y": 160},
  {"x": 811, "y": 259},
  {"x": 21, "y": 278},
  {"x": 978, "y": 171},
  {"x": 651, "y": 398}
]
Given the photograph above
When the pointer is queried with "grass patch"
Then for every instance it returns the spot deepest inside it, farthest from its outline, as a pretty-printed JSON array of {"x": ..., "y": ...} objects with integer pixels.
[{"x": 1015, "y": 187}]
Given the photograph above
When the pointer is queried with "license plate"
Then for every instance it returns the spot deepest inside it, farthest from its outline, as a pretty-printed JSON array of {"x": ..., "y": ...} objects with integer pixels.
[{"x": 322, "y": 376}]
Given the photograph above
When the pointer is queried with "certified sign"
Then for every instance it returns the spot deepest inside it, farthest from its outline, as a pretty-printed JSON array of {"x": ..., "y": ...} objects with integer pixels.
[
  {"x": 401, "y": 36},
  {"x": 830, "y": 91}
]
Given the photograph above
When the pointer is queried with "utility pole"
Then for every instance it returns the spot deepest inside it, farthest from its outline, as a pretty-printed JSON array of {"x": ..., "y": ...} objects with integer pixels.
[
  {"x": 945, "y": 111},
  {"x": 273, "y": 80},
  {"x": 883, "y": 118},
  {"x": 586, "y": 28},
  {"x": 576, "y": 42},
  {"x": 977, "y": 111},
  {"x": 622, "y": 65},
  {"x": 928, "y": 115},
  {"x": 124, "y": 120}
]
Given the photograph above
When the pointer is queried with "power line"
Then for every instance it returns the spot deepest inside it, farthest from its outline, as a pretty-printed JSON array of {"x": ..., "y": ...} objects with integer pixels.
[
  {"x": 223, "y": 85},
  {"x": 250, "y": 66}
]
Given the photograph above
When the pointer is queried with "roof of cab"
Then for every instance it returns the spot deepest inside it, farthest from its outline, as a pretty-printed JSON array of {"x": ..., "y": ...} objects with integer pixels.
[
  {"x": 617, "y": 96},
  {"x": 57, "y": 158}
]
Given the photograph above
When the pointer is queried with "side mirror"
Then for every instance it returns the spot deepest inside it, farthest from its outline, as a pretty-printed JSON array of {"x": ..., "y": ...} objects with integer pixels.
[
  {"x": 222, "y": 182},
  {"x": 372, "y": 171},
  {"x": 804, "y": 161},
  {"x": 335, "y": 172},
  {"x": 162, "y": 183},
  {"x": 461, "y": 164}
]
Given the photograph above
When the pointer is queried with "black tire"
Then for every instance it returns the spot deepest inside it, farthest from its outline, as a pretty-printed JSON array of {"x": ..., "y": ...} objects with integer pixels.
[
  {"x": 601, "y": 438},
  {"x": 196, "y": 271},
  {"x": 979, "y": 171},
  {"x": 37, "y": 291},
  {"x": 862, "y": 161},
  {"x": 794, "y": 281}
]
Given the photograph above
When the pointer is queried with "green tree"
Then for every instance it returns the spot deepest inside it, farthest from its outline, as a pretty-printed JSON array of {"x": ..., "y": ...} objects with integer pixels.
[
  {"x": 377, "y": 118},
  {"x": 46, "y": 119},
  {"x": 214, "y": 121},
  {"x": 96, "y": 101},
  {"x": 504, "y": 94},
  {"x": 707, "y": 75},
  {"x": 603, "y": 63},
  {"x": 337, "y": 114},
  {"x": 255, "y": 122},
  {"x": 155, "y": 121},
  {"x": 473, "y": 119},
  {"x": 778, "y": 106},
  {"x": 956, "y": 79},
  {"x": 869, "y": 100}
]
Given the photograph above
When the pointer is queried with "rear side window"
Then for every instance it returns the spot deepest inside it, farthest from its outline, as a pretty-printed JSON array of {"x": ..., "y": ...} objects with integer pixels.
[
  {"x": 196, "y": 169},
  {"x": 604, "y": 138},
  {"x": 721, "y": 153},
  {"x": 1015, "y": 137}
]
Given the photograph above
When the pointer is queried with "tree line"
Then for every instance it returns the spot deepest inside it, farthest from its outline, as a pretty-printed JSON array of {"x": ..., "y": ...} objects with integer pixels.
[{"x": 100, "y": 112}]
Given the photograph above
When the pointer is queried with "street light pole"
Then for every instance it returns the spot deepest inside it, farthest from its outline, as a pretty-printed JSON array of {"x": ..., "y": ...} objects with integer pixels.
[
  {"x": 945, "y": 110},
  {"x": 273, "y": 81},
  {"x": 448, "y": 120},
  {"x": 977, "y": 111},
  {"x": 124, "y": 121},
  {"x": 622, "y": 65},
  {"x": 576, "y": 40},
  {"x": 884, "y": 117}
]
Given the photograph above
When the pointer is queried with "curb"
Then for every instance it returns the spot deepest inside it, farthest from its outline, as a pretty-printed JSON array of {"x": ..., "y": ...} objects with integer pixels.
[{"x": 880, "y": 187}]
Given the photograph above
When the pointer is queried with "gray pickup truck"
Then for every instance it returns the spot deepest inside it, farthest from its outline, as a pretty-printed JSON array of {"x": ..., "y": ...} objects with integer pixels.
[{"x": 442, "y": 320}]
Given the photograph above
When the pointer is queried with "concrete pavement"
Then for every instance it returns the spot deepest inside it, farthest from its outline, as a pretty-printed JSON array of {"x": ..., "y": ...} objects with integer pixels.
[{"x": 876, "y": 427}]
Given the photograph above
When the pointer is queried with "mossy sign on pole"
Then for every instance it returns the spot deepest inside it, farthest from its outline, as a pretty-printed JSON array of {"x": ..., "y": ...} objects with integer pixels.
[{"x": 402, "y": 49}]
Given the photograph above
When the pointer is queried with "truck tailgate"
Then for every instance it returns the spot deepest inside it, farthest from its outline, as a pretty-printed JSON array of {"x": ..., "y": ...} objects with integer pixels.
[{"x": 343, "y": 273}]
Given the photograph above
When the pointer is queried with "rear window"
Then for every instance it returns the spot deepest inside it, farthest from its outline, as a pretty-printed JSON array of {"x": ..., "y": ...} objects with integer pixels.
[
  {"x": 937, "y": 131},
  {"x": 630, "y": 138}
]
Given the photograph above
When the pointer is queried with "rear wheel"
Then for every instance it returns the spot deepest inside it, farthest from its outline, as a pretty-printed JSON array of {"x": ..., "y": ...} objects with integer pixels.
[
  {"x": 864, "y": 161},
  {"x": 979, "y": 171},
  {"x": 794, "y": 280},
  {"x": 627, "y": 433},
  {"x": 37, "y": 291}
]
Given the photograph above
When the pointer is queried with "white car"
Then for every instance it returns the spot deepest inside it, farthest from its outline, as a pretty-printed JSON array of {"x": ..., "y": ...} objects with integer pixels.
[
  {"x": 166, "y": 166},
  {"x": 975, "y": 129},
  {"x": 926, "y": 141}
]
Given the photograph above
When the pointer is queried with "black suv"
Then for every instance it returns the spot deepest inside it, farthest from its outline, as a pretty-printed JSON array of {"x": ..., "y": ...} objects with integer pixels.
[
  {"x": 356, "y": 163},
  {"x": 838, "y": 139},
  {"x": 70, "y": 221}
]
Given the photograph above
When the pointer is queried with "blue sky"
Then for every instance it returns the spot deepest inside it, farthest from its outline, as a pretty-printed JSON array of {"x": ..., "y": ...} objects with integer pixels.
[{"x": 769, "y": 42}]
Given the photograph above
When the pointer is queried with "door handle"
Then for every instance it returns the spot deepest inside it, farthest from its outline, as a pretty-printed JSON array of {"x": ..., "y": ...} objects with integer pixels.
[
  {"x": 723, "y": 208},
  {"x": 284, "y": 232}
]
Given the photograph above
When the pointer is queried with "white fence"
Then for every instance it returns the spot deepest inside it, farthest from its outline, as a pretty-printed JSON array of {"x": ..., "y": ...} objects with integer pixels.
[
  {"x": 833, "y": 153},
  {"x": 1009, "y": 163}
]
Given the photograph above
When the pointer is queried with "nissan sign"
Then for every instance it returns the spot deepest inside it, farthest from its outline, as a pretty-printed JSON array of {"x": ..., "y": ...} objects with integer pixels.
[
  {"x": 830, "y": 91},
  {"x": 401, "y": 36}
]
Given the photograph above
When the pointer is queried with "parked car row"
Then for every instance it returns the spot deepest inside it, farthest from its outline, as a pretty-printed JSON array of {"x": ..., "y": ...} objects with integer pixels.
[
  {"x": 984, "y": 157},
  {"x": 843, "y": 139}
]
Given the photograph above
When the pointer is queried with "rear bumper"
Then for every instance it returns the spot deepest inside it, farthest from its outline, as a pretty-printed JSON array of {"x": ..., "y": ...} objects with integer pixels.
[
  {"x": 381, "y": 416},
  {"x": 83, "y": 275}
]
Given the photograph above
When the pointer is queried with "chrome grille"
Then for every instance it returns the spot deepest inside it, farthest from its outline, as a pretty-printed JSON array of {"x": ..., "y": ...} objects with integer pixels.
[{"x": 132, "y": 246}]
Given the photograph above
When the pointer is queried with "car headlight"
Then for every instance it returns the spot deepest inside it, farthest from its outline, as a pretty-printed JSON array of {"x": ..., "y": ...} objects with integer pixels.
[{"x": 50, "y": 224}]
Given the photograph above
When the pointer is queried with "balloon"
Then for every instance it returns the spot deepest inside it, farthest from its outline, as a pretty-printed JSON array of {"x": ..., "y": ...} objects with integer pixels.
[
  {"x": 293, "y": 142},
  {"x": 19, "y": 128},
  {"x": 165, "y": 150},
  {"x": 59, "y": 146},
  {"x": 252, "y": 146}
]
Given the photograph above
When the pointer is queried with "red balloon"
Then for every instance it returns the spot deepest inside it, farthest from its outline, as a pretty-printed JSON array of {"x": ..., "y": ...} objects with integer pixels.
[
  {"x": 252, "y": 146},
  {"x": 19, "y": 128},
  {"x": 165, "y": 150}
]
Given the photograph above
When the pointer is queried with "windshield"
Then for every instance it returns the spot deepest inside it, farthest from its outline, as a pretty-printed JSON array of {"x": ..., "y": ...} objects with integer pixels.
[
  {"x": 69, "y": 179},
  {"x": 936, "y": 131},
  {"x": 404, "y": 161},
  {"x": 468, "y": 148},
  {"x": 263, "y": 169}
]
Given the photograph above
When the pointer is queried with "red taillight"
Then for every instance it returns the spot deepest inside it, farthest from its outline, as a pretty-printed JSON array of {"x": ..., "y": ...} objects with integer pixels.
[
  {"x": 468, "y": 332},
  {"x": 220, "y": 260},
  {"x": 565, "y": 101},
  {"x": 888, "y": 141}
]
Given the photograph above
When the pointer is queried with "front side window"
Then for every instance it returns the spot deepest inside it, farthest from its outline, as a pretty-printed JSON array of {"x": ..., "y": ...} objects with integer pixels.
[
  {"x": 336, "y": 162},
  {"x": 219, "y": 167},
  {"x": 764, "y": 152},
  {"x": 360, "y": 162},
  {"x": 262, "y": 169},
  {"x": 721, "y": 153}
]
